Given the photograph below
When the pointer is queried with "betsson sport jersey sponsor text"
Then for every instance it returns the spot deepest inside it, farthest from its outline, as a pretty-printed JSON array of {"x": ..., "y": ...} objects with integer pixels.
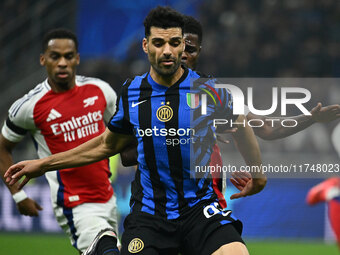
[{"x": 173, "y": 136}]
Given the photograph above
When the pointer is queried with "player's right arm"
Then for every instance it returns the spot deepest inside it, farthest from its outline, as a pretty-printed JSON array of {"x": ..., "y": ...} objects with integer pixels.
[
  {"x": 25, "y": 205},
  {"x": 248, "y": 146},
  {"x": 319, "y": 113},
  {"x": 107, "y": 144}
]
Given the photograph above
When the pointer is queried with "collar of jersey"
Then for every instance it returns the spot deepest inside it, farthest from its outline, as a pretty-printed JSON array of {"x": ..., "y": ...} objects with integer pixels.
[
  {"x": 73, "y": 90},
  {"x": 158, "y": 86}
]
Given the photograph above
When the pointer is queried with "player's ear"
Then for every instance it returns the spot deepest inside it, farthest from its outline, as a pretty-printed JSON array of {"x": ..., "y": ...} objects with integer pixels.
[
  {"x": 145, "y": 45},
  {"x": 42, "y": 59},
  {"x": 78, "y": 58},
  {"x": 199, "y": 50}
]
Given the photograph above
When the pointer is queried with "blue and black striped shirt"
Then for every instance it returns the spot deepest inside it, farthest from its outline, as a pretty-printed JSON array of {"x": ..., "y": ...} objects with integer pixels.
[{"x": 173, "y": 137}]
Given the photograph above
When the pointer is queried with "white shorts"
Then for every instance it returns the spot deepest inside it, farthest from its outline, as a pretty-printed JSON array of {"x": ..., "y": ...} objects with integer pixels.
[{"x": 83, "y": 222}]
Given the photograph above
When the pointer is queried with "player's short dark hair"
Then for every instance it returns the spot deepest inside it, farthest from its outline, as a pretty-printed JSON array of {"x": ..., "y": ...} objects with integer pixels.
[
  {"x": 193, "y": 26},
  {"x": 59, "y": 33},
  {"x": 163, "y": 17}
]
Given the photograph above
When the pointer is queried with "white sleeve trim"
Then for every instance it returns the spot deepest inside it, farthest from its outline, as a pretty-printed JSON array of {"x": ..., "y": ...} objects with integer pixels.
[{"x": 10, "y": 135}]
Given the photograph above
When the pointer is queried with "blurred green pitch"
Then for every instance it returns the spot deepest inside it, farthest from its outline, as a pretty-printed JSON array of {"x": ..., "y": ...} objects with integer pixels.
[{"x": 37, "y": 244}]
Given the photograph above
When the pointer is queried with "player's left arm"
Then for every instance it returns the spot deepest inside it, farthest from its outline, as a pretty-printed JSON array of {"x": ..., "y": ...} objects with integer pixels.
[
  {"x": 248, "y": 146},
  {"x": 103, "y": 146},
  {"x": 273, "y": 130}
]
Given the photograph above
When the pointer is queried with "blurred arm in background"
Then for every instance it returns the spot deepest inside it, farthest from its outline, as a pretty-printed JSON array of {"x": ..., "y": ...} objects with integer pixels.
[{"x": 26, "y": 206}]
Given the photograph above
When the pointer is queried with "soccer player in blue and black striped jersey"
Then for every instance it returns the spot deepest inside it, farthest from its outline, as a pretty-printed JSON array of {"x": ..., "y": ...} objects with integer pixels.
[{"x": 172, "y": 209}]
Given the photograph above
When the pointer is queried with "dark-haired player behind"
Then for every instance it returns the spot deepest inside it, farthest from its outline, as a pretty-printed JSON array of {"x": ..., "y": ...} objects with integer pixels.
[{"x": 171, "y": 212}]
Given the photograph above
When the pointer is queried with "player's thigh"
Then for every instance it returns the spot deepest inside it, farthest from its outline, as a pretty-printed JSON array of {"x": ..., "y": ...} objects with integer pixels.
[
  {"x": 90, "y": 218},
  {"x": 222, "y": 239},
  {"x": 235, "y": 248},
  {"x": 209, "y": 228},
  {"x": 149, "y": 234}
]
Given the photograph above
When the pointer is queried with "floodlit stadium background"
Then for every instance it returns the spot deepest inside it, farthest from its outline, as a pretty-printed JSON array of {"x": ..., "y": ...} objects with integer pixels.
[{"x": 257, "y": 38}]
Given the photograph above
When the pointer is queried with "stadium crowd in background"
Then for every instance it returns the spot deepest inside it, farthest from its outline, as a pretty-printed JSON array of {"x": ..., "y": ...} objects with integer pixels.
[{"x": 254, "y": 38}]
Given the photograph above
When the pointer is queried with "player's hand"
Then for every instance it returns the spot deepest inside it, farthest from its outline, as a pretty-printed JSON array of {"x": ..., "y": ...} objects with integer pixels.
[
  {"x": 240, "y": 179},
  {"x": 252, "y": 187},
  {"x": 29, "y": 207},
  {"x": 326, "y": 113},
  {"x": 220, "y": 138},
  {"x": 29, "y": 169}
]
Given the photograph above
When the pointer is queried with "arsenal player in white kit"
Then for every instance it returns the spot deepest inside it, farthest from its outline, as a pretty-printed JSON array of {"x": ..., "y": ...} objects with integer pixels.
[{"x": 61, "y": 113}]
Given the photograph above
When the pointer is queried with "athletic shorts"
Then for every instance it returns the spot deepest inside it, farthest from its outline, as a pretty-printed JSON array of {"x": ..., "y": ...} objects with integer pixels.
[
  {"x": 203, "y": 229},
  {"x": 83, "y": 222}
]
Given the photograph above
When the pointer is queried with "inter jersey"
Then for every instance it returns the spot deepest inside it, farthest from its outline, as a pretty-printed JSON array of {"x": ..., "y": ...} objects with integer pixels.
[
  {"x": 173, "y": 137},
  {"x": 61, "y": 121}
]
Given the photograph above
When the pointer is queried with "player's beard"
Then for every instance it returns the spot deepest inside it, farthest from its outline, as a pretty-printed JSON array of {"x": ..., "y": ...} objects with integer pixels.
[
  {"x": 166, "y": 71},
  {"x": 63, "y": 84}
]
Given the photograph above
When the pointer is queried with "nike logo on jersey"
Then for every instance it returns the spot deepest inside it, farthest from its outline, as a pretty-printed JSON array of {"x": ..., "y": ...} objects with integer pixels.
[
  {"x": 89, "y": 101},
  {"x": 53, "y": 115},
  {"x": 135, "y": 104}
]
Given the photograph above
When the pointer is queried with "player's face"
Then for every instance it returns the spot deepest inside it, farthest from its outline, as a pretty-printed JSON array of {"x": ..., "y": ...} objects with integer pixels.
[
  {"x": 192, "y": 50},
  {"x": 164, "y": 48},
  {"x": 60, "y": 60}
]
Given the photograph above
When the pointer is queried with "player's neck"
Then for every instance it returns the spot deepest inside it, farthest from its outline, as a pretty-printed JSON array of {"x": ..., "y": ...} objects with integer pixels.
[
  {"x": 167, "y": 81},
  {"x": 59, "y": 87}
]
